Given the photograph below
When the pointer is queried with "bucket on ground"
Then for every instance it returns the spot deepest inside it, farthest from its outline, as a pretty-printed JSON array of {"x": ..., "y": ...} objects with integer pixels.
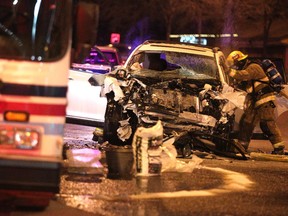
[{"x": 120, "y": 162}]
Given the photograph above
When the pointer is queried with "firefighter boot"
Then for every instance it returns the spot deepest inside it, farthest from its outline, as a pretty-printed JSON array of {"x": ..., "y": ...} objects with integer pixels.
[{"x": 279, "y": 149}]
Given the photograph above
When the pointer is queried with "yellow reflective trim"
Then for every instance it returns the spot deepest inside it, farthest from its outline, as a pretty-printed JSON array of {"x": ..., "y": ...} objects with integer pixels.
[{"x": 265, "y": 100}]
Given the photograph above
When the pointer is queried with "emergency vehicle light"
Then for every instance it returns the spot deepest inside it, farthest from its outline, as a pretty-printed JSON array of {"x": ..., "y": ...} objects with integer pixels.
[{"x": 16, "y": 116}]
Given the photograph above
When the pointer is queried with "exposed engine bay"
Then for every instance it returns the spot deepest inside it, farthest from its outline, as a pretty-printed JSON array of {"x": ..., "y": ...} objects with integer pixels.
[{"x": 189, "y": 111}]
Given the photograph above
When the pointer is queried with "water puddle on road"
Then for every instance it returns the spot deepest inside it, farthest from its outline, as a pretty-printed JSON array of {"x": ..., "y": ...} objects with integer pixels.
[{"x": 232, "y": 182}]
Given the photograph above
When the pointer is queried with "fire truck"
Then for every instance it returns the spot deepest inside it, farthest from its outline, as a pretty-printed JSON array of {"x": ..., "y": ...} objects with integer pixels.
[{"x": 35, "y": 38}]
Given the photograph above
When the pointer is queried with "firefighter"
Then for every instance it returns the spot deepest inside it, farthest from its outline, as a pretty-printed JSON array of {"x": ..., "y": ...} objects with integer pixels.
[{"x": 260, "y": 101}]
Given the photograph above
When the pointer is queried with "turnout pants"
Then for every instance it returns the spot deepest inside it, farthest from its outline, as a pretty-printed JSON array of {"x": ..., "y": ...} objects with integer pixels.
[{"x": 263, "y": 114}]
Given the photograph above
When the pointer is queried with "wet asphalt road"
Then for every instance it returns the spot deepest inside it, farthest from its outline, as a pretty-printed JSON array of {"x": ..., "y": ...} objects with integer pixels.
[{"x": 218, "y": 186}]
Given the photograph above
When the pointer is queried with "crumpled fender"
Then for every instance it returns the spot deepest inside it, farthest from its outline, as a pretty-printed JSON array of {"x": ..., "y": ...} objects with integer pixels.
[{"x": 112, "y": 84}]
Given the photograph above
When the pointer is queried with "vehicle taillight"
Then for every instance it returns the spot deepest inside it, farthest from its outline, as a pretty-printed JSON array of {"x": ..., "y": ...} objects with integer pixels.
[{"x": 15, "y": 137}]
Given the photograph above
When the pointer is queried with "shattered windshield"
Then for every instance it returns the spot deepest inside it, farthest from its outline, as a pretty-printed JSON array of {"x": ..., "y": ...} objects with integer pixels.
[{"x": 174, "y": 65}]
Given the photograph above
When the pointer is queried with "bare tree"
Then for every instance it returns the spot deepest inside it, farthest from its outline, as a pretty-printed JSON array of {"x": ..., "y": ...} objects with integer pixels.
[
  {"x": 272, "y": 10},
  {"x": 259, "y": 12},
  {"x": 230, "y": 18},
  {"x": 165, "y": 17},
  {"x": 169, "y": 11},
  {"x": 208, "y": 16},
  {"x": 178, "y": 14}
]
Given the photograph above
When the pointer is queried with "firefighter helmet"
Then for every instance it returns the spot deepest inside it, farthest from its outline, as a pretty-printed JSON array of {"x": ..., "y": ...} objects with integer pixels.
[{"x": 235, "y": 57}]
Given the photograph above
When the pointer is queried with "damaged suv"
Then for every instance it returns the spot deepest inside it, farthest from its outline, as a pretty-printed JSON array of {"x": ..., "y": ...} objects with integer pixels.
[{"x": 182, "y": 85}]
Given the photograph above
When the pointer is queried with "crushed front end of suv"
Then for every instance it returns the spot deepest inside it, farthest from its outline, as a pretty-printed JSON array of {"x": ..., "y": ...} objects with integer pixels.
[{"x": 183, "y": 85}]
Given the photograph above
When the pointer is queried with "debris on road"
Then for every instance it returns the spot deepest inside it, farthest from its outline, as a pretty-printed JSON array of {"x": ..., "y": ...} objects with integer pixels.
[{"x": 84, "y": 161}]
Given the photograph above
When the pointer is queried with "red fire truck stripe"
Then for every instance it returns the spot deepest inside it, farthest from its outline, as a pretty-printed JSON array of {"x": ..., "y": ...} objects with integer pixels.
[{"x": 35, "y": 108}]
